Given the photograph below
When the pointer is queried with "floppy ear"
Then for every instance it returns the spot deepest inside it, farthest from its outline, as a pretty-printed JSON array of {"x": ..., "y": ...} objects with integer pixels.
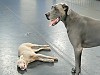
[
  {"x": 65, "y": 7},
  {"x": 21, "y": 57}
]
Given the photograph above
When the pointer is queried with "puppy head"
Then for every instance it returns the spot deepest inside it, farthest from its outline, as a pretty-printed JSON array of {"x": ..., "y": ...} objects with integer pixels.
[
  {"x": 57, "y": 13},
  {"x": 21, "y": 63}
]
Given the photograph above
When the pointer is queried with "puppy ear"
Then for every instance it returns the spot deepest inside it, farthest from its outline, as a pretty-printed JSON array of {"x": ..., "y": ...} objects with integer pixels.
[
  {"x": 21, "y": 57},
  {"x": 65, "y": 7}
]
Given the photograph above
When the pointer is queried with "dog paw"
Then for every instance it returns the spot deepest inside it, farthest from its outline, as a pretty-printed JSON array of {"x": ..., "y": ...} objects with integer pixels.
[
  {"x": 47, "y": 45},
  {"x": 55, "y": 59},
  {"x": 51, "y": 60},
  {"x": 48, "y": 48}
]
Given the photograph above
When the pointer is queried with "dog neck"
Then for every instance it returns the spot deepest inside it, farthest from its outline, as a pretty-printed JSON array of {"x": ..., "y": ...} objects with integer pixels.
[
  {"x": 65, "y": 16},
  {"x": 67, "y": 13}
]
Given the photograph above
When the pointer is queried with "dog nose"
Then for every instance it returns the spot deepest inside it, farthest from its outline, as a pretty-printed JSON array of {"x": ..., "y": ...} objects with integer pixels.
[{"x": 47, "y": 15}]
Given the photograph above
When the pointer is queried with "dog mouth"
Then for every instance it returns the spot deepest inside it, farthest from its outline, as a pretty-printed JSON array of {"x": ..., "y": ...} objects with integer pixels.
[
  {"x": 54, "y": 22},
  {"x": 22, "y": 69}
]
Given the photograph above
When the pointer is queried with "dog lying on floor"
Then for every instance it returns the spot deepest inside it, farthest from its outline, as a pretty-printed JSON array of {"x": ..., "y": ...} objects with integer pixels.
[{"x": 27, "y": 54}]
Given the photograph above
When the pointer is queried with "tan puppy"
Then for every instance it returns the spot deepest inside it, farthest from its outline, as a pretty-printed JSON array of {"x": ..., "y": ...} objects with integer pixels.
[{"x": 27, "y": 54}]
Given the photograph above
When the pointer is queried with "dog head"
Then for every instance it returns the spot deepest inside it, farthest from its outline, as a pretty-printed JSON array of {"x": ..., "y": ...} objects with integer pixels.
[
  {"x": 58, "y": 13},
  {"x": 21, "y": 63}
]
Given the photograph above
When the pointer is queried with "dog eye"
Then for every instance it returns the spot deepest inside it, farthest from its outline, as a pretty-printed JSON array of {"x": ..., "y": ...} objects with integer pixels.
[
  {"x": 18, "y": 62},
  {"x": 52, "y": 7},
  {"x": 23, "y": 62}
]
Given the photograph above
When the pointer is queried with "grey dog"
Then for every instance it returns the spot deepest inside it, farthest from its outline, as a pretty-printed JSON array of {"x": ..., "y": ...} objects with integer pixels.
[{"x": 83, "y": 32}]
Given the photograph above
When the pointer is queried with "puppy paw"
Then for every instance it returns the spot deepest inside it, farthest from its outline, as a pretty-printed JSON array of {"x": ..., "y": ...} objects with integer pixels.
[
  {"x": 47, "y": 60},
  {"x": 48, "y": 48},
  {"x": 51, "y": 60},
  {"x": 55, "y": 59}
]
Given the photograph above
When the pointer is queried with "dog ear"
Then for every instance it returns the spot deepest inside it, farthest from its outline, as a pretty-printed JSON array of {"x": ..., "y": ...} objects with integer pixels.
[
  {"x": 21, "y": 57},
  {"x": 65, "y": 7}
]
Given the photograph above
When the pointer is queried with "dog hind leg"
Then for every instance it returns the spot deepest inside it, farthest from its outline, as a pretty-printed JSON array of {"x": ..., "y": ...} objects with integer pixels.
[{"x": 46, "y": 60}]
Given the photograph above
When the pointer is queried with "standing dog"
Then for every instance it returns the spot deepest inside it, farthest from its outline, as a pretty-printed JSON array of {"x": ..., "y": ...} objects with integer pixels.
[
  {"x": 83, "y": 32},
  {"x": 27, "y": 54}
]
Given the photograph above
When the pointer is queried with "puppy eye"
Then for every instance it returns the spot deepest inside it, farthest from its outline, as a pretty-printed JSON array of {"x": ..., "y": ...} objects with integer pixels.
[
  {"x": 18, "y": 62},
  {"x": 24, "y": 63}
]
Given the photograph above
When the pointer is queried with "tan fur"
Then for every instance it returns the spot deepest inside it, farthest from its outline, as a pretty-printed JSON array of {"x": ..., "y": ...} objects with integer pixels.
[{"x": 27, "y": 54}]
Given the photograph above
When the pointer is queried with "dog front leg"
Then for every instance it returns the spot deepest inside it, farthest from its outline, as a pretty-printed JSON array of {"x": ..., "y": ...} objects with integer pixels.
[
  {"x": 45, "y": 58},
  {"x": 78, "y": 53},
  {"x": 46, "y": 48},
  {"x": 43, "y": 45},
  {"x": 36, "y": 46}
]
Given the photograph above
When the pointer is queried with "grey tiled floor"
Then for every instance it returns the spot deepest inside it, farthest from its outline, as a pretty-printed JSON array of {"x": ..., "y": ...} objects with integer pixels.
[{"x": 24, "y": 21}]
